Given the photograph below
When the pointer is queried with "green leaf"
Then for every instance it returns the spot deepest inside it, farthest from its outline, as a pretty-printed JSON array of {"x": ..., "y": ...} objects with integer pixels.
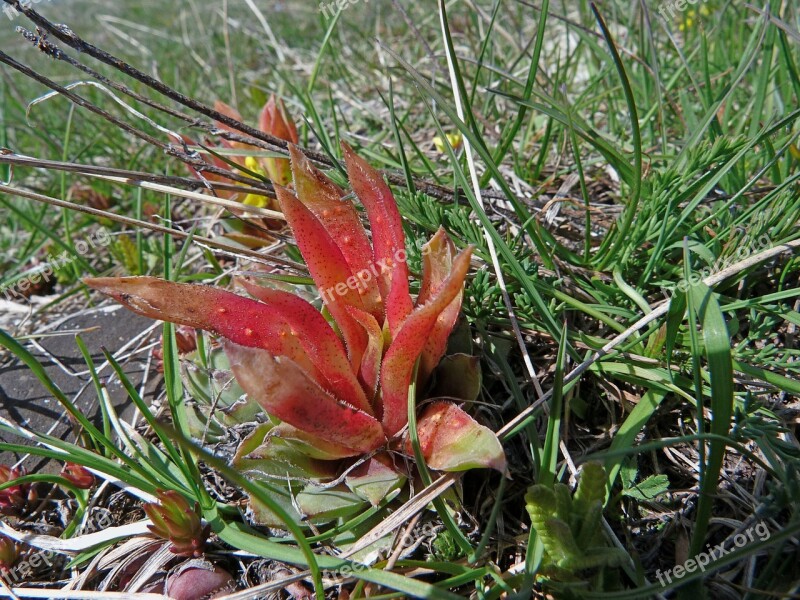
[
  {"x": 648, "y": 489},
  {"x": 716, "y": 341}
]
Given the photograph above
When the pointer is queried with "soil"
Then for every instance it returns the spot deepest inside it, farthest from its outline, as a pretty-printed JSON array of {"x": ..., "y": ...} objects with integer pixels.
[{"x": 26, "y": 402}]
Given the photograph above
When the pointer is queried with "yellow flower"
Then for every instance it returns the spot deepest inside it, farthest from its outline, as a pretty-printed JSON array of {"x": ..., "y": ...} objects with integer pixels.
[
  {"x": 454, "y": 139},
  {"x": 252, "y": 164}
]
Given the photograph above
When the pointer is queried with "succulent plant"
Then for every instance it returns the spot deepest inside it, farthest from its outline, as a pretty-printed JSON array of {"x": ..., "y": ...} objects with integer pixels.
[
  {"x": 569, "y": 525},
  {"x": 79, "y": 476},
  {"x": 174, "y": 519},
  {"x": 9, "y": 554},
  {"x": 337, "y": 393},
  {"x": 15, "y": 497}
]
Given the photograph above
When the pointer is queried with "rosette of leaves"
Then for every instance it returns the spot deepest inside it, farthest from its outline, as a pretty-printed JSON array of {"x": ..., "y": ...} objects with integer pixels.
[
  {"x": 569, "y": 526},
  {"x": 335, "y": 384},
  {"x": 174, "y": 519},
  {"x": 15, "y": 498}
]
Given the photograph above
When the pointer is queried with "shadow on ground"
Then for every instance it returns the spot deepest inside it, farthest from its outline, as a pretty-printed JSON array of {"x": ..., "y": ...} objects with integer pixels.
[{"x": 25, "y": 402}]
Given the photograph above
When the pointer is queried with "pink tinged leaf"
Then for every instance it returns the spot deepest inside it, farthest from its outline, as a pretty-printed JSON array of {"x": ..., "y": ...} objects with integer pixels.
[
  {"x": 369, "y": 373},
  {"x": 388, "y": 239},
  {"x": 408, "y": 344},
  {"x": 451, "y": 440},
  {"x": 239, "y": 319},
  {"x": 437, "y": 262},
  {"x": 286, "y": 392},
  {"x": 275, "y": 120},
  {"x": 312, "y": 446},
  {"x": 329, "y": 269},
  {"x": 320, "y": 342},
  {"x": 375, "y": 478},
  {"x": 340, "y": 219}
]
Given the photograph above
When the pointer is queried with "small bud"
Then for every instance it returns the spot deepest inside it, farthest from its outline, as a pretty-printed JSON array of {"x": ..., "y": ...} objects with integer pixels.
[
  {"x": 9, "y": 553},
  {"x": 79, "y": 476},
  {"x": 275, "y": 121},
  {"x": 175, "y": 520},
  {"x": 15, "y": 497}
]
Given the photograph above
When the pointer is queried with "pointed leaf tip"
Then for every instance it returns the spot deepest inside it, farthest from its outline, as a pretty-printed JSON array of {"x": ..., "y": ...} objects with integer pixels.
[
  {"x": 437, "y": 263},
  {"x": 408, "y": 344},
  {"x": 451, "y": 440},
  {"x": 388, "y": 238},
  {"x": 239, "y": 319},
  {"x": 275, "y": 121}
]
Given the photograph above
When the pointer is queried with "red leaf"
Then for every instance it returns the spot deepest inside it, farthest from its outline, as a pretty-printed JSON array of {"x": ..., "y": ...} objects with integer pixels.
[
  {"x": 388, "y": 239},
  {"x": 329, "y": 269},
  {"x": 369, "y": 372},
  {"x": 451, "y": 440},
  {"x": 320, "y": 342},
  {"x": 437, "y": 263},
  {"x": 398, "y": 364},
  {"x": 286, "y": 392},
  {"x": 340, "y": 219},
  {"x": 275, "y": 120},
  {"x": 239, "y": 319}
]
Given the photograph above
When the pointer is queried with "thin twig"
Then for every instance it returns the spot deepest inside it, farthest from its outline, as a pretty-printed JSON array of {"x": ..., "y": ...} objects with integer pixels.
[
  {"x": 253, "y": 136},
  {"x": 191, "y": 159},
  {"x": 11, "y": 158},
  {"x": 212, "y": 243}
]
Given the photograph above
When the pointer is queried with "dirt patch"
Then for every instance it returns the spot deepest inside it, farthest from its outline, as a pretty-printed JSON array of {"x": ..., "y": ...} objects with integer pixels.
[{"x": 27, "y": 403}]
